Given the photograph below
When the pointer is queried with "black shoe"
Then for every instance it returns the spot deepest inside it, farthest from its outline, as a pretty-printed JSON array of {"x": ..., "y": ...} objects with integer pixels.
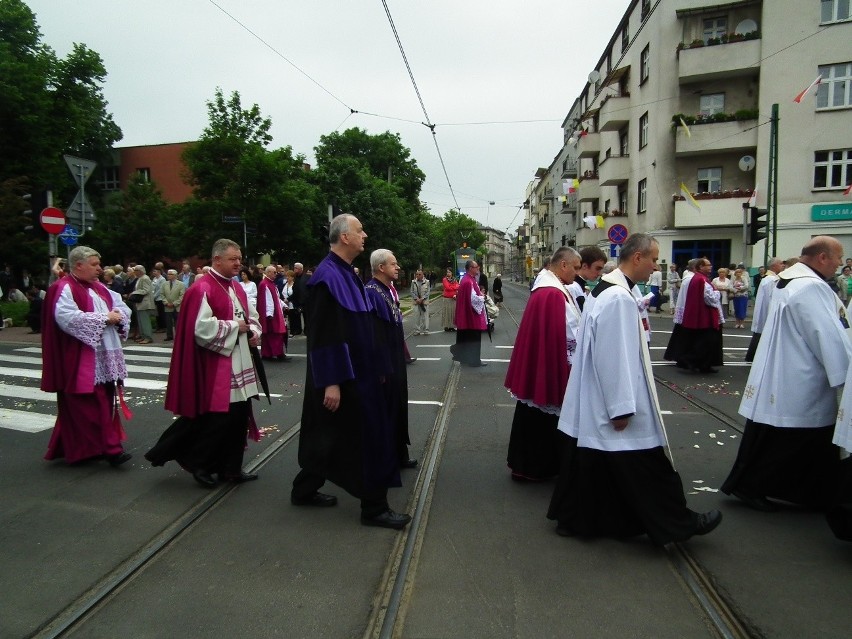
[
  {"x": 411, "y": 361},
  {"x": 387, "y": 519},
  {"x": 408, "y": 463},
  {"x": 284, "y": 358},
  {"x": 118, "y": 459},
  {"x": 478, "y": 365},
  {"x": 707, "y": 522},
  {"x": 756, "y": 503},
  {"x": 204, "y": 478},
  {"x": 708, "y": 369},
  {"x": 317, "y": 499},
  {"x": 564, "y": 531},
  {"x": 241, "y": 478}
]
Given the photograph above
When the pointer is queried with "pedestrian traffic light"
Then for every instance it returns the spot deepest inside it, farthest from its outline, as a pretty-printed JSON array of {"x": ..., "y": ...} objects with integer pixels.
[{"x": 758, "y": 221}]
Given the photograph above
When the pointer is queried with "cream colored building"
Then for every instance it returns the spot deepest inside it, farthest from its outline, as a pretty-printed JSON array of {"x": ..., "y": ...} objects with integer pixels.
[{"x": 720, "y": 67}]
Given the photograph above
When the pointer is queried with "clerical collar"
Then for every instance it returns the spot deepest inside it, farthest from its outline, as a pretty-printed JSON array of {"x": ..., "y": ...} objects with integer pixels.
[
  {"x": 219, "y": 275},
  {"x": 580, "y": 281},
  {"x": 630, "y": 283},
  {"x": 820, "y": 275}
]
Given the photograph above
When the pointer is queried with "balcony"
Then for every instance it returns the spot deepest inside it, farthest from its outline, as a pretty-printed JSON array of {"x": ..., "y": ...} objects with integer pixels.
[
  {"x": 590, "y": 237},
  {"x": 615, "y": 113},
  {"x": 714, "y": 213},
  {"x": 589, "y": 146},
  {"x": 716, "y": 137},
  {"x": 614, "y": 170},
  {"x": 590, "y": 189},
  {"x": 731, "y": 60}
]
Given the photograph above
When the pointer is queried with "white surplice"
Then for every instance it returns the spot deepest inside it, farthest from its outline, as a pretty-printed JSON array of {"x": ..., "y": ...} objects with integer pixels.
[
  {"x": 611, "y": 375},
  {"x": 762, "y": 299},
  {"x": 802, "y": 357}
]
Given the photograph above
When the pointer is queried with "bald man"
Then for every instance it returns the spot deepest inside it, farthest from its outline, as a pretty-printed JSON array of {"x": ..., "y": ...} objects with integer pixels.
[{"x": 790, "y": 399}]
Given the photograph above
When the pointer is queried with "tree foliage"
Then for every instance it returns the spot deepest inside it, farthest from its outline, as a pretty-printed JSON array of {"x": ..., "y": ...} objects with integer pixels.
[
  {"x": 48, "y": 107},
  {"x": 454, "y": 229},
  {"x": 234, "y": 176}
]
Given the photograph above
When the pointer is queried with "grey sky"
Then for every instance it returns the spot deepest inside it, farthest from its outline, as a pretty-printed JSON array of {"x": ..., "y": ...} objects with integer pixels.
[{"x": 473, "y": 61}]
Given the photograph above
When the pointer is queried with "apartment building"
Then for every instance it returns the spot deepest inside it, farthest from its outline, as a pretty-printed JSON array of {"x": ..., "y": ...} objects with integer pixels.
[{"x": 682, "y": 94}]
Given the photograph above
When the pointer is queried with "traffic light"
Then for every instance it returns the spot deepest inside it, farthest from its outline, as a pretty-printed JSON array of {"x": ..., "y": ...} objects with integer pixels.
[{"x": 758, "y": 221}]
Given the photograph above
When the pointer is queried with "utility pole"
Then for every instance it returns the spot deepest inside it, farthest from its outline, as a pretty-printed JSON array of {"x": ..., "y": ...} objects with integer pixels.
[{"x": 771, "y": 244}]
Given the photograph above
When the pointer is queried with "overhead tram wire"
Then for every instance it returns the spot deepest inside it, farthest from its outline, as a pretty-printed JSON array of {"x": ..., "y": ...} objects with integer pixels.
[{"x": 428, "y": 124}]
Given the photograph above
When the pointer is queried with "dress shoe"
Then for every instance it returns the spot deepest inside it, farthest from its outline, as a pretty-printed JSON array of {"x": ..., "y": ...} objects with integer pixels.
[
  {"x": 411, "y": 361},
  {"x": 118, "y": 459},
  {"x": 408, "y": 463},
  {"x": 707, "y": 522},
  {"x": 387, "y": 519},
  {"x": 564, "y": 531},
  {"x": 204, "y": 478},
  {"x": 708, "y": 369},
  {"x": 756, "y": 503},
  {"x": 241, "y": 478},
  {"x": 478, "y": 365},
  {"x": 317, "y": 499}
]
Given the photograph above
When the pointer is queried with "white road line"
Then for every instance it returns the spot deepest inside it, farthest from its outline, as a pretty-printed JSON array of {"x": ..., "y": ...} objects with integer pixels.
[
  {"x": 131, "y": 368},
  {"x": 505, "y": 361},
  {"x": 727, "y": 364},
  {"x": 31, "y": 393},
  {"x": 429, "y": 359},
  {"x": 425, "y": 402},
  {"x": 145, "y": 384},
  {"x": 726, "y": 348},
  {"x": 25, "y": 421},
  {"x": 504, "y": 347}
]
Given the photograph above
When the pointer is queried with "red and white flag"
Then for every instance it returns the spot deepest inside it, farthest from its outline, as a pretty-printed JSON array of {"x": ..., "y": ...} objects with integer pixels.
[
  {"x": 802, "y": 95},
  {"x": 848, "y": 190}
]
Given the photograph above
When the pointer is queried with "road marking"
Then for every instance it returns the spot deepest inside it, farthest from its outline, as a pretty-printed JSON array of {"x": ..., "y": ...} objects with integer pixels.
[
  {"x": 25, "y": 421},
  {"x": 425, "y": 402},
  {"x": 31, "y": 393},
  {"x": 725, "y": 348},
  {"x": 145, "y": 384}
]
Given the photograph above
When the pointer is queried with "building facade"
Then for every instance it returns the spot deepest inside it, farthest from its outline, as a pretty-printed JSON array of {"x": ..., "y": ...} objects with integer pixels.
[
  {"x": 159, "y": 163},
  {"x": 682, "y": 96}
]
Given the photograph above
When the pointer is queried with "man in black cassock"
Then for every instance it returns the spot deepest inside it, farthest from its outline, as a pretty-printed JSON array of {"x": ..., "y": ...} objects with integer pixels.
[
  {"x": 346, "y": 436},
  {"x": 390, "y": 343}
]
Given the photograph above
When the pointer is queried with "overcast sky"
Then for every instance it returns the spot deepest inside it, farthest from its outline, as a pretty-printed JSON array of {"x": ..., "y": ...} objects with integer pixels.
[{"x": 474, "y": 61}]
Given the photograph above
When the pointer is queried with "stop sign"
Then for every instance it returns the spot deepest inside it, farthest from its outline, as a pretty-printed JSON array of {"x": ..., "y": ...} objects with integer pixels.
[{"x": 52, "y": 220}]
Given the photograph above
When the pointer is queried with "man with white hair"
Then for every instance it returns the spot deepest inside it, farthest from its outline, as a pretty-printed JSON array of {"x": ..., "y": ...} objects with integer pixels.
[
  {"x": 143, "y": 296},
  {"x": 762, "y": 299},
  {"x": 390, "y": 345},
  {"x": 346, "y": 436},
  {"x": 83, "y": 324},
  {"x": 173, "y": 292},
  {"x": 271, "y": 313}
]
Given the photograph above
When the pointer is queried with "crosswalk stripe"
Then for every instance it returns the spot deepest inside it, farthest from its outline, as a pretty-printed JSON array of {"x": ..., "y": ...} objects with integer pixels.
[
  {"x": 145, "y": 384},
  {"x": 25, "y": 420},
  {"x": 30, "y": 393}
]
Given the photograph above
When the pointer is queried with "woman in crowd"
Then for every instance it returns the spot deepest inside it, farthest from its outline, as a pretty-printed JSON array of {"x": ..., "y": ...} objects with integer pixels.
[
  {"x": 723, "y": 284},
  {"x": 448, "y": 312},
  {"x": 741, "y": 286},
  {"x": 248, "y": 286}
]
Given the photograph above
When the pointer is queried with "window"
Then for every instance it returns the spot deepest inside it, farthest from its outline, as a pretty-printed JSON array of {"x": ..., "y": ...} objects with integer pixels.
[
  {"x": 625, "y": 39},
  {"x": 143, "y": 174},
  {"x": 645, "y": 64},
  {"x": 643, "y": 130},
  {"x": 622, "y": 200},
  {"x": 646, "y": 8},
  {"x": 109, "y": 179},
  {"x": 835, "y": 89},
  {"x": 834, "y": 10},
  {"x": 606, "y": 208},
  {"x": 715, "y": 28},
  {"x": 832, "y": 169},
  {"x": 622, "y": 142},
  {"x": 709, "y": 180},
  {"x": 643, "y": 196},
  {"x": 711, "y": 104}
]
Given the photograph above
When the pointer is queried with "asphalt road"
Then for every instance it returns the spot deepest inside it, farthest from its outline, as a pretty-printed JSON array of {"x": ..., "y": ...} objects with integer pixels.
[{"x": 487, "y": 563}]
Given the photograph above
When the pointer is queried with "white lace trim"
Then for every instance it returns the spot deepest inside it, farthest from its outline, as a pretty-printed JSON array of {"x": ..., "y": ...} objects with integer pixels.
[
  {"x": 550, "y": 410},
  {"x": 109, "y": 365}
]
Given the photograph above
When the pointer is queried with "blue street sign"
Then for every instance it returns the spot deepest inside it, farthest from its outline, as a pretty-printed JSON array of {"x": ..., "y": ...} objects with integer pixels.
[{"x": 69, "y": 235}]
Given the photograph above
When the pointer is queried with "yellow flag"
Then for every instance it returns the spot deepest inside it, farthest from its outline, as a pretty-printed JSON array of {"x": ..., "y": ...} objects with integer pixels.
[{"x": 688, "y": 197}]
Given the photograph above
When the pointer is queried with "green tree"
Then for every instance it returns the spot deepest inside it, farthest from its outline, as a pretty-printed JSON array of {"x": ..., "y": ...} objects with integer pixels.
[
  {"x": 233, "y": 175},
  {"x": 48, "y": 107},
  {"x": 374, "y": 177},
  {"x": 135, "y": 225},
  {"x": 454, "y": 229}
]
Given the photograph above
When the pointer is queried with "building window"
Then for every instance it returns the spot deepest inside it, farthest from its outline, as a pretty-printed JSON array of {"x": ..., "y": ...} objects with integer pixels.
[
  {"x": 622, "y": 143},
  {"x": 109, "y": 179},
  {"x": 832, "y": 169},
  {"x": 715, "y": 28},
  {"x": 646, "y": 8},
  {"x": 143, "y": 174},
  {"x": 709, "y": 180},
  {"x": 622, "y": 200},
  {"x": 711, "y": 104},
  {"x": 625, "y": 39},
  {"x": 834, "y": 10},
  {"x": 645, "y": 64},
  {"x": 643, "y": 130},
  {"x": 643, "y": 196},
  {"x": 835, "y": 88}
]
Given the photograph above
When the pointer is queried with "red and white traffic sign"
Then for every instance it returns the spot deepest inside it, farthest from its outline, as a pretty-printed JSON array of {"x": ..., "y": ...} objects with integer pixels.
[{"x": 52, "y": 220}]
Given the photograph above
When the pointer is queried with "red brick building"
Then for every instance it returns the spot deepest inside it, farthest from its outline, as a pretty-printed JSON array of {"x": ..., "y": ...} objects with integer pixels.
[{"x": 160, "y": 163}]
